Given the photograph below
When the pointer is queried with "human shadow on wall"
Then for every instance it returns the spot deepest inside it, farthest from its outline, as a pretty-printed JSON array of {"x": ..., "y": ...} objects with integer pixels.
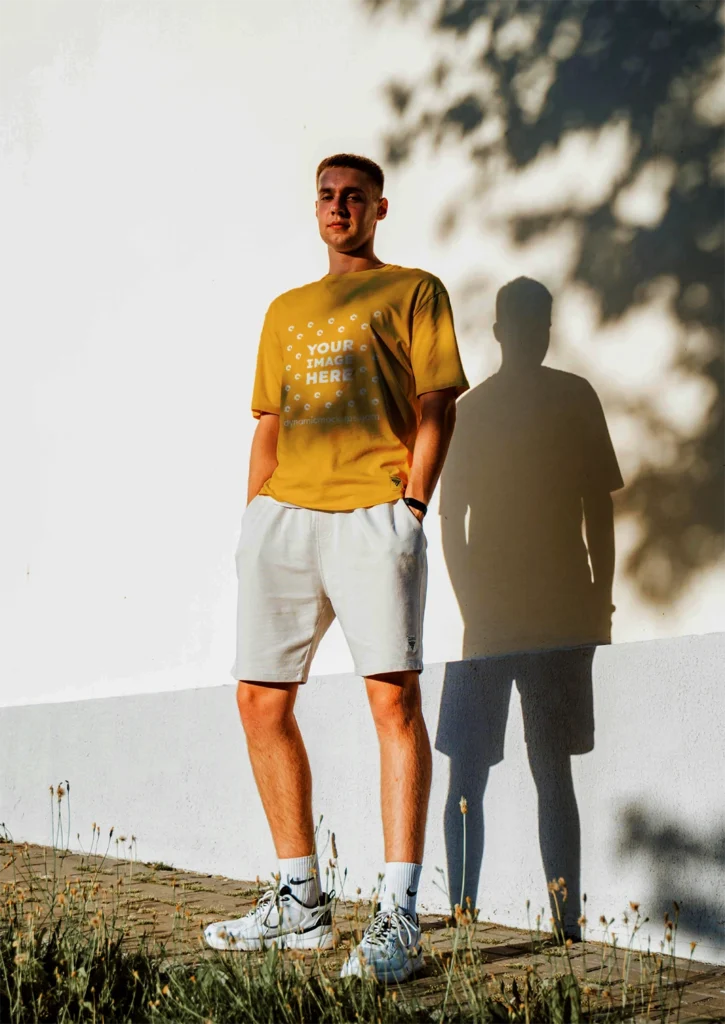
[{"x": 531, "y": 462}]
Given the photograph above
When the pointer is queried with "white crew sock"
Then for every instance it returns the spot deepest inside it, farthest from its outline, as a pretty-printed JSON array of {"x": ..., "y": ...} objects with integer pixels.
[
  {"x": 400, "y": 886},
  {"x": 302, "y": 875}
]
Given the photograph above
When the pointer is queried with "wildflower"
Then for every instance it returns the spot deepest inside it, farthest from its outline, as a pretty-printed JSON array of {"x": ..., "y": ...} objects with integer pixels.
[
  {"x": 635, "y": 907},
  {"x": 165, "y": 990},
  {"x": 553, "y": 886},
  {"x": 463, "y": 804},
  {"x": 51, "y": 790},
  {"x": 60, "y": 899},
  {"x": 61, "y": 793},
  {"x": 603, "y": 920},
  {"x": 582, "y": 921},
  {"x": 692, "y": 947},
  {"x": 333, "y": 844},
  {"x": 135, "y": 975},
  {"x": 122, "y": 839},
  {"x": 192, "y": 979}
]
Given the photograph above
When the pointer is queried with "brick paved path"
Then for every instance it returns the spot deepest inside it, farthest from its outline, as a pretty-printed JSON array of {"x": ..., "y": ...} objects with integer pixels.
[{"x": 174, "y": 906}]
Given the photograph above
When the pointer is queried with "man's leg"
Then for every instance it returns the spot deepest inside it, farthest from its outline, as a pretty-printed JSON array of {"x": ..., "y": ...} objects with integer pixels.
[
  {"x": 296, "y": 914},
  {"x": 280, "y": 765},
  {"x": 405, "y": 765}
]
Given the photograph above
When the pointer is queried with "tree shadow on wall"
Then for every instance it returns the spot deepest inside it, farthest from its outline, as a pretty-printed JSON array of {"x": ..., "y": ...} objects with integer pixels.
[
  {"x": 530, "y": 464},
  {"x": 680, "y": 868},
  {"x": 515, "y": 84}
]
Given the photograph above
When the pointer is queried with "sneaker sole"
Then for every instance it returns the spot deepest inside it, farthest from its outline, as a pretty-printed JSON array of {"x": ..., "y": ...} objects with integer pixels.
[
  {"x": 395, "y": 974},
  {"x": 316, "y": 938}
]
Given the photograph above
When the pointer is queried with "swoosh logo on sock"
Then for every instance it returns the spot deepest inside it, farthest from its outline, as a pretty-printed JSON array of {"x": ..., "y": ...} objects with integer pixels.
[{"x": 300, "y": 881}]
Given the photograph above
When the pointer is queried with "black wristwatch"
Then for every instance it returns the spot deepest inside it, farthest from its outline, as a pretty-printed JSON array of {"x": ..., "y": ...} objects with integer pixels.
[{"x": 414, "y": 503}]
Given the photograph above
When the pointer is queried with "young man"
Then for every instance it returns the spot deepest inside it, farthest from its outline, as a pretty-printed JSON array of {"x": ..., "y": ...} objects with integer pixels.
[{"x": 357, "y": 377}]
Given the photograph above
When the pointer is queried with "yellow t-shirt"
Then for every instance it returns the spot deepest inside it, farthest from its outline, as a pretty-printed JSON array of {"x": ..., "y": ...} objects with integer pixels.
[{"x": 342, "y": 361}]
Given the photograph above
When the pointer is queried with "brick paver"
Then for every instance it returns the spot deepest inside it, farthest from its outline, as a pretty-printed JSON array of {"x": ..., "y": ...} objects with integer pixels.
[{"x": 174, "y": 906}]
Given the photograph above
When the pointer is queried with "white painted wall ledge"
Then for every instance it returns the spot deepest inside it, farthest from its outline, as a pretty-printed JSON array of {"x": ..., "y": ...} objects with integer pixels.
[{"x": 172, "y": 769}]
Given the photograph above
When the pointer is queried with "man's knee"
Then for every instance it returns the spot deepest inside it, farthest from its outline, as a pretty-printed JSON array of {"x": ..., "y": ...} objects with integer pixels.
[
  {"x": 264, "y": 706},
  {"x": 395, "y": 701}
]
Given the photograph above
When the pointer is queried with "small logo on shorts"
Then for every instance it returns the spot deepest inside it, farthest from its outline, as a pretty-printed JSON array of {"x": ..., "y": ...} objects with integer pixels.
[{"x": 412, "y": 643}]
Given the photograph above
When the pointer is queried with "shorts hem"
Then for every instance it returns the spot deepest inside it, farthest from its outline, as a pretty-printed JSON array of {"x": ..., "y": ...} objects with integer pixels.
[
  {"x": 378, "y": 670},
  {"x": 255, "y": 676}
]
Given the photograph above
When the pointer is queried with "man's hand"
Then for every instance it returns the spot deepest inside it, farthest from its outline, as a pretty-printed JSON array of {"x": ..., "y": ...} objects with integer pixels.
[{"x": 420, "y": 516}]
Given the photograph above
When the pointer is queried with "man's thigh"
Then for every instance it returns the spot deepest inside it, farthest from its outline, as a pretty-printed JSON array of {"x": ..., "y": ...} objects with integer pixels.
[
  {"x": 375, "y": 570},
  {"x": 282, "y": 608}
]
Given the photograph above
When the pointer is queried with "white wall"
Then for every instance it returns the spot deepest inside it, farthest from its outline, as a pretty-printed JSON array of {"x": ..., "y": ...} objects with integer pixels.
[
  {"x": 157, "y": 191},
  {"x": 172, "y": 770}
]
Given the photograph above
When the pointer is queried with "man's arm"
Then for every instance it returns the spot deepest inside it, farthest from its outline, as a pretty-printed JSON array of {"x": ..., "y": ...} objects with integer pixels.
[
  {"x": 599, "y": 525},
  {"x": 438, "y": 418},
  {"x": 263, "y": 456}
]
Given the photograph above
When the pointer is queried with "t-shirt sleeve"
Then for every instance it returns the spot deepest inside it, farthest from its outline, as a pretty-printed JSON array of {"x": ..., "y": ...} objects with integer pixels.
[
  {"x": 435, "y": 358},
  {"x": 268, "y": 376},
  {"x": 600, "y": 466}
]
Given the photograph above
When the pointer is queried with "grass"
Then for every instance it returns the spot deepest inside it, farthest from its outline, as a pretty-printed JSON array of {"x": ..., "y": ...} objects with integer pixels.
[{"x": 68, "y": 953}]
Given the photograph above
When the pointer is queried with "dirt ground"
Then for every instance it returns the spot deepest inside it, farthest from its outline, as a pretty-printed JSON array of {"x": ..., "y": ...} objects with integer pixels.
[{"x": 174, "y": 906}]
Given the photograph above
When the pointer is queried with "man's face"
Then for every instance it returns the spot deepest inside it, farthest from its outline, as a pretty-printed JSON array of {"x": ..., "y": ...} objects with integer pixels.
[{"x": 347, "y": 208}]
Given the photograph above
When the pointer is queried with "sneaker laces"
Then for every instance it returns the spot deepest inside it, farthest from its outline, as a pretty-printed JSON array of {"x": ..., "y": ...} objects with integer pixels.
[
  {"x": 384, "y": 922},
  {"x": 263, "y": 903}
]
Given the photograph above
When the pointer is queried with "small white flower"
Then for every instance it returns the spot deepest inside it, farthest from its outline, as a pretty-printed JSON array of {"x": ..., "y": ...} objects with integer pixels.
[
  {"x": 297, "y": 398},
  {"x": 319, "y": 333},
  {"x": 363, "y": 348},
  {"x": 310, "y": 324},
  {"x": 363, "y": 369},
  {"x": 317, "y": 394},
  {"x": 288, "y": 408},
  {"x": 377, "y": 314},
  {"x": 289, "y": 348},
  {"x": 291, "y": 327},
  {"x": 331, "y": 320},
  {"x": 297, "y": 376},
  {"x": 340, "y": 329},
  {"x": 353, "y": 316},
  {"x": 300, "y": 336},
  {"x": 339, "y": 394},
  {"x": 375, "y": 380},
  {"x": 328, "y": 405},
  {"x": 287, "y": 387},
  {"x": 376, "y": 401},
  {"x": 298, "y": 356},
  {"x": 307, "y": 408},
  {"x": 288, "y": 368},
  {"x": 364, "y": 326}
]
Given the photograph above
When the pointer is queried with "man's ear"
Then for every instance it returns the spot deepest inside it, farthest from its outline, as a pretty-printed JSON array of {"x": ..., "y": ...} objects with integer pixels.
[{"x": 382, "y": 208}]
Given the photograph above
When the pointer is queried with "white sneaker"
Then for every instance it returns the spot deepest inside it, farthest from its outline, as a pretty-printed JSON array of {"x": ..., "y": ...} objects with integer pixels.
[
  {"x": 389, "y": 950},
  {"x": 279, "y": 919}
]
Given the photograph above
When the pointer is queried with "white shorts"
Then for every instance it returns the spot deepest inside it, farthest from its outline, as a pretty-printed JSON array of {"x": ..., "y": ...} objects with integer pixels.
[{"x": 298, "y": 568}]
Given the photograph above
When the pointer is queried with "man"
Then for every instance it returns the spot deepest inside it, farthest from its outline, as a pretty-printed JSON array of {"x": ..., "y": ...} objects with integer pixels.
[{"x": 357, "y": 377}]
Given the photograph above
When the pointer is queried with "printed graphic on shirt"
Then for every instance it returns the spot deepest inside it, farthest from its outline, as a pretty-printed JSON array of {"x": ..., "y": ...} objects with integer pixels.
[{"x": 331, "y": 374}]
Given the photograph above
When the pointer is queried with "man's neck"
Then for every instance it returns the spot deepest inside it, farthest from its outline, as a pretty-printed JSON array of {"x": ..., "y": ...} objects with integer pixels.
[{"x": 350, "y": 263}]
